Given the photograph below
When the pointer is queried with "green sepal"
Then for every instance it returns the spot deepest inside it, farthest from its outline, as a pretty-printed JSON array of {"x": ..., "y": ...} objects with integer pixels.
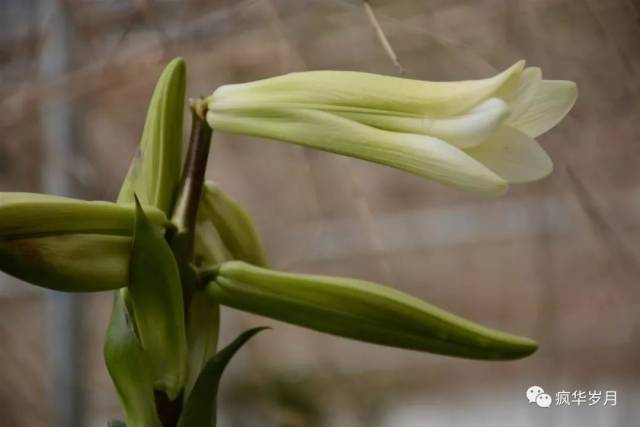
[
  {"x": 129, "y": 366},
  {"x": 155, "y": 171},
  {"x": 156, "y": 296},
  {"x": 360, "y": 310},
  {"x": 202, "y": 335},
  {"x": 200, "y": 409},
  {"x": 234, "y": 226}
]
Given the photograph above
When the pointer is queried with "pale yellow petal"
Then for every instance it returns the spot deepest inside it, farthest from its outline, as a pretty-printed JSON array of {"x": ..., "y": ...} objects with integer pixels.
[
  {"x": 472, "y": 128},
  {"x": 463, "y": 131},
  {"x": 356, "y": 89},
  {"x": 513, "y": 155},
  {"x": 520, "y": 92},
  {"x": 551, "y": 102},
  {"x": 417, "y": 154}
]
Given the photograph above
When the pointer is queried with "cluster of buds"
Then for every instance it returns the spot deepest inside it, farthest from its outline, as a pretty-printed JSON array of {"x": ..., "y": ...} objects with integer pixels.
[{"x": 161, "y": 344}]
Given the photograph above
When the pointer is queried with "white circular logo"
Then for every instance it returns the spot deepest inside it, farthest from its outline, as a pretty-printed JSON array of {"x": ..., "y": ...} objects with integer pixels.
[
  {"x": 543, "y": 400},
  {"x": 533, "y": 392}
]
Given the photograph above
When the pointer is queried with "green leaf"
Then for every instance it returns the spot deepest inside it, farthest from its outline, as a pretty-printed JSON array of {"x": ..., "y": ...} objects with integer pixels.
[
  {"x": 234, "y": 226},
  {"x": 129, "y": 366},
  {"x": 360, "y": 310},
  {"x": 201, "y": 408},
  {"x": 155, "y": 172},
  {"x": 156, "y": 296},
  {"x": 202, "y": 335}
]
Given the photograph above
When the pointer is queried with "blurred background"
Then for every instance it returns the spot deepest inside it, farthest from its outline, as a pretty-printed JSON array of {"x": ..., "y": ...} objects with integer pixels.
[{"x": 556, "y": 260}]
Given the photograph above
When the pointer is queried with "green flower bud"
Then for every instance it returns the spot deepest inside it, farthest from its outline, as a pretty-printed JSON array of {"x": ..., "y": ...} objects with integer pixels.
[
  {"x": 155, "y": 172},
  {"x": 67, "y": 244},
  {"x": 141, "y": 358},
  {"x": 360, "y": 310},
  {"x": 231, "y": 233}
]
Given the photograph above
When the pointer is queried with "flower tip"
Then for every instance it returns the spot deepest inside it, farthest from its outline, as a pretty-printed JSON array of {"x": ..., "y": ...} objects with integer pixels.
[
  {"x": 519, "y": 65},
  {"x": 572, "y": 88},
  {"x": 496, "y": 187},
  {"x": 515, "y": 347},
  {"x": 549, "y": 171},
  {"x": 501, "y": 188},
  {"x": 177, "y": 62},
  {"x": 524, "y": 348},
  {"x": 527, "y": 348}
]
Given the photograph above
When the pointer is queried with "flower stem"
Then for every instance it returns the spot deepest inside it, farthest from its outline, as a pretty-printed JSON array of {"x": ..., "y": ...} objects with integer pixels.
[
  {"x": 185, "y": 212},
  {"x": 182, "y": 239}
]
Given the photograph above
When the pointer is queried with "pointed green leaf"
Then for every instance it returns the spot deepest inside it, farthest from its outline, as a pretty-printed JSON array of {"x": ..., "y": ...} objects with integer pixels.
[
  {"x": 129, "y": 366},
  {"x": 201, "y": 408},
  {"x": 232, "y": 223},
  {"x": 202, "y": 335},
  {"x": 360, "y": 310},
  {"x": 156, "y": 296},
  {"x": 155, "y": 172}
]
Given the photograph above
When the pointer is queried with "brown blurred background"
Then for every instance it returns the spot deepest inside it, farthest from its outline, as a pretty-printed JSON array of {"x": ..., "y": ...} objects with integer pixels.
[{"x": 555, "y": 260}]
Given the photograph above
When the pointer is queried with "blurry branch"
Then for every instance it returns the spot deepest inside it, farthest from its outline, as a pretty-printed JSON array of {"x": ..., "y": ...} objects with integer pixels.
[
  {"x": 278, "y": 27},
  {"x": 603, "y": 228},
  {"x": 368, "y": 220},
  {"x": 150, "y": 14},
  {"x": 144, "y": 13},
  {"x": 16, "y": 106},
  {"x": 128, "y": 26},
  {"x": 462, "y": 48},
  {"x": 287, "y": 52},
  {"x": 384, "y": 41}
]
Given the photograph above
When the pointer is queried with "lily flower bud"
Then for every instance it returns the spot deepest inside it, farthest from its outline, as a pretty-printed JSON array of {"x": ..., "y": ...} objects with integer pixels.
[
  {"x": 142, "y": 350},
  {"x": 477, "y": 135},
  {"x": 225, "y": 230},
  {"x": 67, "y": 244},
  {"x": 155, "y": 171},
  {"x": 359, "y": 310}
]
